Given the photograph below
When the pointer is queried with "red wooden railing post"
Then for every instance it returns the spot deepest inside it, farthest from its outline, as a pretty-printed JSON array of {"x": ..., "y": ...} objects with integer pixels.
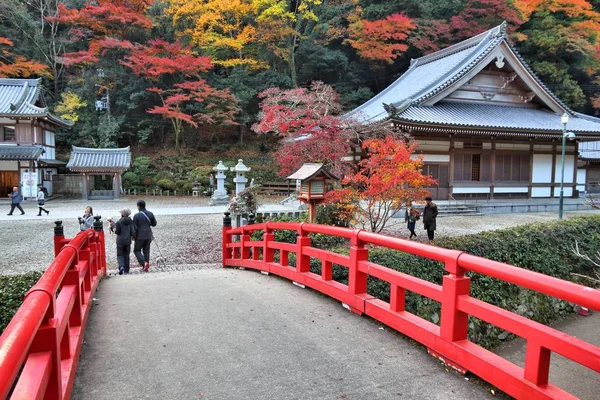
[
  {"x": 59, "y": 237},
  {"x": 226, "y": 239},
  {"x": 268, "y": 236},
  {"x": 454, "y": 324},
  {"x": 302, "y": 260},
  {"x": 537, "y": 363},
  {"x": 357, "y": 281}
]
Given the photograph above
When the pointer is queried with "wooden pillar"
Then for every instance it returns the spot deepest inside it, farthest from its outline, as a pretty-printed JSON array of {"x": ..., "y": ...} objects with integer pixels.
[
  {"x": 493, "y": 168},
  {"x": 116, "y": 186},
  {"x": 84, "y": 189},
  {"x": 530, "y": 188},
  {"x": 552, "y": 180},
  {"x": 575, "y": 158},
  {"x": 451, "y": 167}
]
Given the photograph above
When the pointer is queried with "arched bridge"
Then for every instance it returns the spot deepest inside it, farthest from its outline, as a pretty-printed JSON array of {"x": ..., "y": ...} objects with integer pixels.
[{"x": 225, "y": 333}]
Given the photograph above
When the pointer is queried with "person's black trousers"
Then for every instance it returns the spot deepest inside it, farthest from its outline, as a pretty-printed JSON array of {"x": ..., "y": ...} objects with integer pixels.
[
  {"x": 430, "y": 234},
  {"x": 12, "y": 208},
  {"x": 123, "y": 252},
  {"x": 142, "y": 246}
]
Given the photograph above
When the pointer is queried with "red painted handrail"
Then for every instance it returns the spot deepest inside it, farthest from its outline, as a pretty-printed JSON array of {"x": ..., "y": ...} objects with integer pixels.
[
  {"x": 44, "y": 337},
  {"x": 449, "y": 340}
]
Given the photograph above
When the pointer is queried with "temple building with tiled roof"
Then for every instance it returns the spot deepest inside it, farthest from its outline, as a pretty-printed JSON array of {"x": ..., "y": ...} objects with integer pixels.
[
  {"x": 486, "y": 125},
  {"x": 27, "y": 146},
  {"x": 100, "y": 170}
]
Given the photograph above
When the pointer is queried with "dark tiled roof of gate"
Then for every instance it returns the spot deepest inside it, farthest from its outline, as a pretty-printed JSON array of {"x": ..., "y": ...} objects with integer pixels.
[
  {"x": 14, "y": 152},
  {"x": 86, "y": 159},
  {"x": 24, "y": 98}
]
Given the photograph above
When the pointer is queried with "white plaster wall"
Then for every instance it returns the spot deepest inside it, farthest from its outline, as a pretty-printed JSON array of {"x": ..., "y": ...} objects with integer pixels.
[
  {"x": 49, "y": 139},
  {"x": 511, "y": 189},
  {"x": 471, "y": 190},
  {"x": 568, "y": 192},
  {"x": 486, "y": 146},
  {"x": 581, "y": 175},
  {"x": 542, "y": 169},
  {"x": 540, "y": 192},
  {"x": 432, "y": 157},
  {"x": 433, "y": 145},
  {"x": 569, "y": 165},
  {"x": 9, "y": 166},
  {"x": 542, "y": 147}
]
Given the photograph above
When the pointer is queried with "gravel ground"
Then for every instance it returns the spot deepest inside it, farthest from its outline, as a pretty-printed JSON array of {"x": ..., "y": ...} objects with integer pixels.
[{"x": 193, "y": 241}]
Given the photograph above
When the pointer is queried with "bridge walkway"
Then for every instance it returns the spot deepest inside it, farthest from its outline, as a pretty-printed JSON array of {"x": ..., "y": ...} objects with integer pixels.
[{"x": 232, "y": 334}]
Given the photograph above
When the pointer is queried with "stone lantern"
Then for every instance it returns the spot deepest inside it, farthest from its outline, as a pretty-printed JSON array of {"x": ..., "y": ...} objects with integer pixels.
[
  {"x": 195, "y": 188},
  {"x": 220, "y": 195},
  {"x": 240, "y": 178},
  {"x": 313, "y": 182}
]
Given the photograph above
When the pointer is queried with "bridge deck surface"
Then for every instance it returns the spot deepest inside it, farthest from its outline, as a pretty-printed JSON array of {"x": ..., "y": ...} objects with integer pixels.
[{"x": 232, "y": 334}]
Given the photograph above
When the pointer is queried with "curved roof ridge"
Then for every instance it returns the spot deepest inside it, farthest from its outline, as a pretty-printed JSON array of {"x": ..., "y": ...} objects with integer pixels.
[
  {"x": 20, "y": 97},
  {"x": 455, "y": 48},
  {"x": 481, "y": 50},
  {"x": 100, "y": 150}
]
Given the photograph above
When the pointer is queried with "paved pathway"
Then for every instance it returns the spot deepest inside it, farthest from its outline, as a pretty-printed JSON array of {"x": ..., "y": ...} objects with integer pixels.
[{"x": 232, "y": 334}]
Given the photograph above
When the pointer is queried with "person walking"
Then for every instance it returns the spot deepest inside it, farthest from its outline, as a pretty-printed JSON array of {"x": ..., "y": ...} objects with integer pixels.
[
  {"x": 429, "y": 216},
  {"x": 15, "y": 201},
  {"x": 125, "y": 231},
  {"x": 86, "y": 221},
  {"x": 143, "y": 222},
  {"x": 41, "y": 199},
  {"x": 411, "y": 217}
]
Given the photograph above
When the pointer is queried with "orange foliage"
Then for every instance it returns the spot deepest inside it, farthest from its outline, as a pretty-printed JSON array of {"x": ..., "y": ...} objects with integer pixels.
[{"x": 12, "y": 66}]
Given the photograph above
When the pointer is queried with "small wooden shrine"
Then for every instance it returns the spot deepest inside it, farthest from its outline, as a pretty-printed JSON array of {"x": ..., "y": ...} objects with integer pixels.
[{"x": 313, "y": 182}]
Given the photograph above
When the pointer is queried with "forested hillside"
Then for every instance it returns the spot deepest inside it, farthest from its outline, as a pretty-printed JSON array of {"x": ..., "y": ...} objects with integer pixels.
[{"x": 187, "y": 73}]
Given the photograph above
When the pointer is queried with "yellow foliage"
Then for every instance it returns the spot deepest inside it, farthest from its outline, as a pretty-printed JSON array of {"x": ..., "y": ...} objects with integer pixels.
[{"x": 69, "y": 104}]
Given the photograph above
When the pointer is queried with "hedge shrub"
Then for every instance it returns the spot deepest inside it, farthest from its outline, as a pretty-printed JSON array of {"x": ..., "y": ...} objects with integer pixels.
[
  {"x": 12, "y": 291},
  {"x": 545, "y": 248}
]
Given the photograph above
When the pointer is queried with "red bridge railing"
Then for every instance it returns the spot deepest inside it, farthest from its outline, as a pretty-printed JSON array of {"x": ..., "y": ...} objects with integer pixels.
[
  {"x": 44, "y": 338},
  {"x": 449, "y": 340}
]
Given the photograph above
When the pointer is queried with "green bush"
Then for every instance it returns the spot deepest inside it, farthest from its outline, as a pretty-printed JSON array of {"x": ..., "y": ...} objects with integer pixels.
[
  {"x": 130, "y": 179},
  {"x": 166, "y": 184},
  {"x": 12, "y": 291},
  {"x": 327, "y": 215}
]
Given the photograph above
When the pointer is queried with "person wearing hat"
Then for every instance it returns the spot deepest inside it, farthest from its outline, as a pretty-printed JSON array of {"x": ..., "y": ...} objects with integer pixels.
[
  {"x": 124, "y": 230},
  {"x": 429, "y": 216}
]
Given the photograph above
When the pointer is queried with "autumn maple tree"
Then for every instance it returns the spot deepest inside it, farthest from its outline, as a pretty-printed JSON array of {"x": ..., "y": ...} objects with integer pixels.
[
  {"x": 386, "y": 180},
  {"x": 380, "y": 40},
  {"x": 175, "y": 73},
  {"x": 309, "y": 124},
  {"x": 14, "y": 66}
]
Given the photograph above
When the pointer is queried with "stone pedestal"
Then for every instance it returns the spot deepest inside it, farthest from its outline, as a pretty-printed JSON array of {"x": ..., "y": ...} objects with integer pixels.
[{"x": 220, "y": 195}]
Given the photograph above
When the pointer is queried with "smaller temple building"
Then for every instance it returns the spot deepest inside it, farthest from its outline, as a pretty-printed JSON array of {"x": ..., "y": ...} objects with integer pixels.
[
  {"x": 100, "y": 170},
  {"x": 27, "y": 146}
]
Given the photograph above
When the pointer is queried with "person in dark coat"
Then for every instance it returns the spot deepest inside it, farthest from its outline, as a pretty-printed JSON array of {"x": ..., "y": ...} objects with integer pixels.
[
  {"x": 429, "y": 216},
  {"x": 15, "y": 201},
  {"x": 143, "y": 222},
  {"x": 124, "y": 230}
]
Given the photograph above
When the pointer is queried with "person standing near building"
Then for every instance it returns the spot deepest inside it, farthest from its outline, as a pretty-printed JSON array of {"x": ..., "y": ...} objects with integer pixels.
[
  {"x": 429, "y": 216},
  {"x": 125, "y": 231},
  {"x": 15, "y": 201},
  {"x": 411, "y": 217},
  {"x": 41, "y": 199},
  {"x": 143, "y": 222}
]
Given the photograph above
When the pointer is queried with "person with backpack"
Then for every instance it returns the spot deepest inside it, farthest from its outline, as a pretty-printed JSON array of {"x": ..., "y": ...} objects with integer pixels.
[
  {"x": 143, "y": 222},
  {"x": 411, "y": 217},
  {"x": 124, "y": 230},
  {"x": 15, "y": 201}
]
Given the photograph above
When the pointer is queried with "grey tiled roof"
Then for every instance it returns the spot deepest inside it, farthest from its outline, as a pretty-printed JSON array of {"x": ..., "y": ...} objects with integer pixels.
[
  {"x": 430, "y": 75},
  {"x": 13, "y": 152},
  {"x": 96, "y": 160},
  {"x": 23, "y": 98},
  {"x": 496, "y": 116}
]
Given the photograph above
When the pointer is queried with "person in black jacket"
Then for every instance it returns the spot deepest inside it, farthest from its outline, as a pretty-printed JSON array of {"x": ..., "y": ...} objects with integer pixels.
[
  {"x": 125, "y": 231},
  {"x": 143, "y": 222},
  {"x": 429, "y": 216}
]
